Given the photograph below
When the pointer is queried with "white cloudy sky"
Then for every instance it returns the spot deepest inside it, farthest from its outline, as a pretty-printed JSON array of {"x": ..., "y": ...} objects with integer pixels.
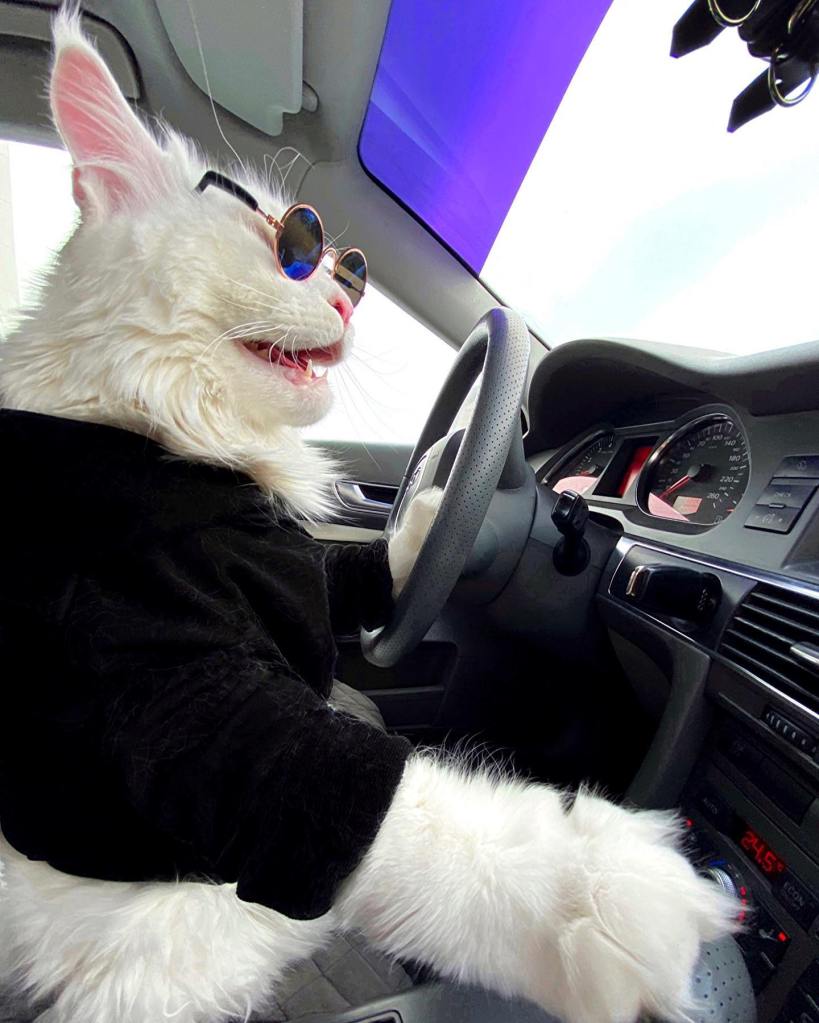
[{"x": 642, "y": 217}]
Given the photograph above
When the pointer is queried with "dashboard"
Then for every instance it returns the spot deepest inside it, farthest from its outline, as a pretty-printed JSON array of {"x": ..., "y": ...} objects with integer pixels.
[
  {"x": 706, "y": 470},
  {"x": 682, "y": 451},
  {"x": 693, "y": 471}
]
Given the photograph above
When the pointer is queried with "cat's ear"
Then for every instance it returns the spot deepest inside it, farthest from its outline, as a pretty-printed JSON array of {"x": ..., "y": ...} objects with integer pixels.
[{"x": 117, "y": 164}]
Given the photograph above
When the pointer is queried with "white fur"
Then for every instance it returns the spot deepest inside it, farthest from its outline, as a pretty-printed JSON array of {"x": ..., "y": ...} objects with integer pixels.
[
  {"x": 591, "y": 913},
  {"x": 137, "y": 318},
  {"x": 406, "y": 541},
  {"x": 110, "y": 952}
]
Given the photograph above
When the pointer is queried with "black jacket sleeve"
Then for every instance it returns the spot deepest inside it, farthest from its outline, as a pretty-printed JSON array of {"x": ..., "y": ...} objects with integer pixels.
[
  {"x": 217, "y": 742},
  {"x": 359, "y": 584}
]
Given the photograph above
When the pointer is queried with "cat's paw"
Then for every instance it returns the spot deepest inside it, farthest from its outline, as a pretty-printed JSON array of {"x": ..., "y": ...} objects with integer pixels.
[
  {"x": 638, "y": 915},
  {"x": 407, "y": 540},
  {"x": 590, "y": 912}
]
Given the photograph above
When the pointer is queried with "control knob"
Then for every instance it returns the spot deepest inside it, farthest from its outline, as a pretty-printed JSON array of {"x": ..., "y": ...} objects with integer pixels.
[
  {"x": 731, "y": 882},
  {"x": 724, "y": 880}
]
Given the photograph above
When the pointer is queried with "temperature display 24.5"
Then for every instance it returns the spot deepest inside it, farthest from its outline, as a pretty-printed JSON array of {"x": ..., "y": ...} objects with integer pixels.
[{"x": 760, "y": 853}]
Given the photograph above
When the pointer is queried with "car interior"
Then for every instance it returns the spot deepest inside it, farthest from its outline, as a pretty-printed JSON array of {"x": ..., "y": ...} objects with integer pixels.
[{"x": 626, "y": 591}]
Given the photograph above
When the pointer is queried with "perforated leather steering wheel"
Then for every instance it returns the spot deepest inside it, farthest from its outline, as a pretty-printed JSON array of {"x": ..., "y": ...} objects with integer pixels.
[{"x": 470, "y": 465}]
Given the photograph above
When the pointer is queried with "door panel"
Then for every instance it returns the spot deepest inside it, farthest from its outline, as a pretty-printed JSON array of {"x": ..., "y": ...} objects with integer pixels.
[
  {"x": 367, "y": 482},
  {"x": 411, "y": 693}
]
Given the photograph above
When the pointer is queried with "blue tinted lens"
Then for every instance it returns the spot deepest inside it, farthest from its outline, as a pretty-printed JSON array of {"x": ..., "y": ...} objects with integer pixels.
[
  {"x": 300, "y": 243},
  {"x": 351, "y": 274}
]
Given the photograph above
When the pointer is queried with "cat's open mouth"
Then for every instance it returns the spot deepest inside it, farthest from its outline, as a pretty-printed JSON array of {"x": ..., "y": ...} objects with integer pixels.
[{"x": 301, "y": 367}]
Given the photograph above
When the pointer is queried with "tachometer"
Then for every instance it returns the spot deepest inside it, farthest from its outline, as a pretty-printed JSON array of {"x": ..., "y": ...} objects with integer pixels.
[
  {"x": 699, "y": 474},
  {"x": 582, "y": 470}
]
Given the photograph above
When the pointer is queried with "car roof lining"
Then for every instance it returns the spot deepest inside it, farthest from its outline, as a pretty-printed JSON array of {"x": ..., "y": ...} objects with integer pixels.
[{"x": 340, "y": 59}]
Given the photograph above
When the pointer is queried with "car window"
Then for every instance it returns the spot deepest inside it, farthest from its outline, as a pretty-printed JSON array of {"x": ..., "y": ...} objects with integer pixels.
[
  {"x": 621, "y": 206},
  {"x": 384, "y": 391},
  {"x": 36, "y": 215}
]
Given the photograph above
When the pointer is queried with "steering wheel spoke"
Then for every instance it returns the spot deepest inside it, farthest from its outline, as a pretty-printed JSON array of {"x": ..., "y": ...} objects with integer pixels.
[{"x": 471, "y": 465}]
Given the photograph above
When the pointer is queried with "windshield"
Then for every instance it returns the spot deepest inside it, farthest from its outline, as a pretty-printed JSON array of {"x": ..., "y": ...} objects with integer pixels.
[{"x": 639, "y": 215}]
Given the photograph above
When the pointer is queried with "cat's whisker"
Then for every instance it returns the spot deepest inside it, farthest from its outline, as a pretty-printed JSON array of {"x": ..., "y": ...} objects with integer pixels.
[
  {"x": 364, "y": 409},
  {"x": 249, "y": 287},
  {"x": 369, "y": 400},
  {"x": 274, "y": 163},
  {"x": 290, "y": 167},
  {"x": 366, "y": 417},
  {"x": 333, "y": 240},
  {"x": 377, "y": 362},
  {"x": 279, "y": 347},
  {"x": 253, "y": 307},
  {"x": 237, "y": 331},
  {"x": 361, "y": 440}
]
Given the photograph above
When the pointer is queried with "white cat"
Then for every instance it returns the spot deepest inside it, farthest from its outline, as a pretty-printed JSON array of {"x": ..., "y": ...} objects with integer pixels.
[{"x": 586, "y": 908}]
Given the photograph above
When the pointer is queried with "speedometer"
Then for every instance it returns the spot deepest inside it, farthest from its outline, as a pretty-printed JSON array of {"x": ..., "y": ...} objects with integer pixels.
[
  {"x": 581, "y": 471},
  {"x": 699, "y": 474}
]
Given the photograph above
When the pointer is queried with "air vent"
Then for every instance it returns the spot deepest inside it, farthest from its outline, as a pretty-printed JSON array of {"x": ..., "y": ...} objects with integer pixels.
[{"x": 762, "y": 632}]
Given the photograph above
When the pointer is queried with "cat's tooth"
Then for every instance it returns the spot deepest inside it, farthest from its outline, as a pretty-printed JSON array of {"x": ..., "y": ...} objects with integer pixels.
[
  {"x": 320, "y": 372},
  {"x": 308, "y": 369}
]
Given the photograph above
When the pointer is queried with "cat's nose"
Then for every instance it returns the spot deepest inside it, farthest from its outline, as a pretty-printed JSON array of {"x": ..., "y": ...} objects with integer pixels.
[{"x": 343, "y": 306}]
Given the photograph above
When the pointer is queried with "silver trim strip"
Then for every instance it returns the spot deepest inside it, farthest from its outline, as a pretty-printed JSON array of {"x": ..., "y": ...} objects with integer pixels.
[
  {"x": 633, "y": 583},
  {"x": 339, "y": 533},
  {"x": 808, "y": 654},
  {"x": 353, "y": 497},
  {"x": 801, "y": 707},
  {"x": 760, "y": 575}
]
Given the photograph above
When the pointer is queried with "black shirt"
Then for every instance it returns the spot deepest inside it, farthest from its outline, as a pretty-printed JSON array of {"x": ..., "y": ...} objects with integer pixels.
[{"x": 166, "y": 650}]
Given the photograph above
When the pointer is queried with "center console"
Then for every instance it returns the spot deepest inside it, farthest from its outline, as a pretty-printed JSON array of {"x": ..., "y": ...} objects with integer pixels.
[
  {"x": 720, "y": 984},
  {"x": 724, "y": 654},
  {"x": 752, "y": 827}
]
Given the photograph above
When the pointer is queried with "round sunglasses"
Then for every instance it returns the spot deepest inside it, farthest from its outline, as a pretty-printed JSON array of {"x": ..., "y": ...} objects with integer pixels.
[{"x": 299, "y": 241}]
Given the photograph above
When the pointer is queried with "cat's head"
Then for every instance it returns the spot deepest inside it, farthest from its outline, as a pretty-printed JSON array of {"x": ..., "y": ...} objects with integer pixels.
[{"x": 165, "y": 311}]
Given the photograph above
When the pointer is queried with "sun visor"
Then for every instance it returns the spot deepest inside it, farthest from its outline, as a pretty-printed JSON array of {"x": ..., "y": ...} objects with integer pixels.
[{"x": 250, "y": 59}]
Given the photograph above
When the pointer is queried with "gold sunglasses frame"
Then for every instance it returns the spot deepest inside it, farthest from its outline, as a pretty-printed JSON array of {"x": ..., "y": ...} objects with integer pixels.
[{"x": 338, "y": 255}]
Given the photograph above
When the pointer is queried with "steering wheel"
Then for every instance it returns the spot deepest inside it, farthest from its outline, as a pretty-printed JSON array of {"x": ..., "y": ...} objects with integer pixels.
[
  {"x": 475, "y": 466},
  {"x": 486, "y": 480}
]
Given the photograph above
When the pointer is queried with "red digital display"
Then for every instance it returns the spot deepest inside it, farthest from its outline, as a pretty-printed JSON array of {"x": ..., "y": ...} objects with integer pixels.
[
  {"x": 761, "y": 853},
  {"x": 638, "y": 460}
]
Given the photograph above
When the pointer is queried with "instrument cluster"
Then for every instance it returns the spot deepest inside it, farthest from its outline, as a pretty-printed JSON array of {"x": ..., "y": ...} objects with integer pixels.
[{"x": 693, "y": 472}]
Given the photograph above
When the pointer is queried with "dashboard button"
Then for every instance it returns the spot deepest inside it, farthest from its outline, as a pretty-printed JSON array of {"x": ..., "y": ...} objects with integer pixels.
[
  {"x": 772, "y": 520},
  {"x": 799, "y": 467},
  {"x": 796, "y": 898},
  {"x": 717, "y": 812},
  {"x": 788, "y": 495},
  {"x": 761, "y": 970},
  {"x": 795, "y": 736},
  {"x": 767, "y": 936}
]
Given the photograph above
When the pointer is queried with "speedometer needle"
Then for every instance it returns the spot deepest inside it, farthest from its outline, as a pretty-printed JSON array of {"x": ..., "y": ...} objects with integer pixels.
[{"x": 693, "y": 472}]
